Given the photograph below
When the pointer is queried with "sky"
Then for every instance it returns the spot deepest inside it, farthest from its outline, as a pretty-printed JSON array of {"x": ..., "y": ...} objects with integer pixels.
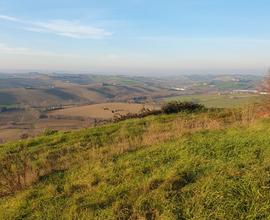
[{"x": 135, "y": 36}]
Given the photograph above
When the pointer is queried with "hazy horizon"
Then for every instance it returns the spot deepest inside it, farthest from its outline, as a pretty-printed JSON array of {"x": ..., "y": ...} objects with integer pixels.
[{"x": 134, "y": 73}]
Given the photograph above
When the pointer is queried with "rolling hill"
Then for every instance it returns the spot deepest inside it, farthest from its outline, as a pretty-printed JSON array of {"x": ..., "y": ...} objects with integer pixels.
[{"x": 28, "y": 100}]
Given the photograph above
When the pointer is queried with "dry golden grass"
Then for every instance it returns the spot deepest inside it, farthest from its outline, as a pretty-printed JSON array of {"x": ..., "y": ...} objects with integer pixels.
[{"x": 8, "y": 134}]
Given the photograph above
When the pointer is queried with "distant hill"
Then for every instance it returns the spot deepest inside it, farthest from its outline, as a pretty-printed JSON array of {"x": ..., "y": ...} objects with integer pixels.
[
  {"x": 27, "y": 99},
  {"x": 41, "y": 90}
]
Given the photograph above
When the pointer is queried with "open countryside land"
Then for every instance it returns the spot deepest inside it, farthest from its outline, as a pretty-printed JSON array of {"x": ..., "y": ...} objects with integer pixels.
[
  {"x": 167, "y": 166},
  {"x": 134, "y": 110},
  {"x": 102, "y": 111},
  {"x": 32, "y": 102}
]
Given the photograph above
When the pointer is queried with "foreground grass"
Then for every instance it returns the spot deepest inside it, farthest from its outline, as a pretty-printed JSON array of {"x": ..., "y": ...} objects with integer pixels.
[{"x": 184, "y": 166}]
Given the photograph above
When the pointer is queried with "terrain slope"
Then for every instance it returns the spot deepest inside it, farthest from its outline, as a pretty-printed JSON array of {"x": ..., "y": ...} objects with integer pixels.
[{"x": 208, "y": 165}]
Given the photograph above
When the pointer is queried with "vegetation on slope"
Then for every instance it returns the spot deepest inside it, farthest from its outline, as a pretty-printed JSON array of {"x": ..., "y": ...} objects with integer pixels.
[{"x": 204, "y": 165}]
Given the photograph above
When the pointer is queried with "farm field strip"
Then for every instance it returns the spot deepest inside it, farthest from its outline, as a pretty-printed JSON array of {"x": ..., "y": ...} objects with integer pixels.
[{"x": 100, "y": 111}]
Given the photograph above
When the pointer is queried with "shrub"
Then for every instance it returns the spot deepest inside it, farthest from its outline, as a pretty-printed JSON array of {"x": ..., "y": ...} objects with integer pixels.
[
  {"x": 48, "y": 132},
  {"x": 24, "y": 136},
  {"x": 43, "y": 116},
  {"x": 178, "y": 106}
]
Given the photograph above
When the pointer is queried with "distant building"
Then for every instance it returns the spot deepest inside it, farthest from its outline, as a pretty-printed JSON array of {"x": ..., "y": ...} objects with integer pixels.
[
  {"x": 245, "y": 91},
  {"x": 178, "y": 89}
]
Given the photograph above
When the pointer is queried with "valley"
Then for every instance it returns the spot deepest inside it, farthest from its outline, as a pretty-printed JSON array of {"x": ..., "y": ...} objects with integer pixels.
[{"x": 33, "y": 102}]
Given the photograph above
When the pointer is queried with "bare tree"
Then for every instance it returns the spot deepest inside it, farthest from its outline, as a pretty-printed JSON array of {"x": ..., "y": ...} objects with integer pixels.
[
  {"x": 265, "y": 108},
  {"x": 266, "y": 82}
]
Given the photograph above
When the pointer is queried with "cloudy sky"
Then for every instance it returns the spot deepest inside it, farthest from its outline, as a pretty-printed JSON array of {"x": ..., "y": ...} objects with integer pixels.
[{"x": 135, "y": 36}]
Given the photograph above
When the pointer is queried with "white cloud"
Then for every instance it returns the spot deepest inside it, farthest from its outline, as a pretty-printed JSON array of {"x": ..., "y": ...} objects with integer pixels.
[
  {"x": 8, "y": 18},
  {"x": 61, "y": 27},
  {"x": 68, "y": 29}
]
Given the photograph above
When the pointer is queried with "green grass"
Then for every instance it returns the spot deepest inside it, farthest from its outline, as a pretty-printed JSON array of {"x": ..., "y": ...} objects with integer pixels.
[
  {"x": 8, "y": 106},
  {"x": 223, "y": 86},
  {"x": 208, "y": 165},
  {"x": 7, "y": 99},
  {"x": 220, "y": 101}
]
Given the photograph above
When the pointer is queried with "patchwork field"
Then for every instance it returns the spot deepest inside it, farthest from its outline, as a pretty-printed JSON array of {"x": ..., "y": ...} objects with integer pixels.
[
  {"x": 27, "y": 99},
  {"x": 36, "y": 127},
  {"x": 101, "y": 111},
  {"x": 18, "y": 124}
]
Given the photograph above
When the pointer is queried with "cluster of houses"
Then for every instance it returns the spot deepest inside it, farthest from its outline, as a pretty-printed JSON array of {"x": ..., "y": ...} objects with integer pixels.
[{"x": 250, "y": 91}]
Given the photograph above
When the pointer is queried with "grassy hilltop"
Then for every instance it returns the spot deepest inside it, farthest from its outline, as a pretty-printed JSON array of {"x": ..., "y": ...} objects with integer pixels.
[{"x": 205, "y": 165}]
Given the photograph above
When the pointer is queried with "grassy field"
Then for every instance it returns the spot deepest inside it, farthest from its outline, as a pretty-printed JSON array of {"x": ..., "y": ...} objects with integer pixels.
[
  {"x": 7, "y": 99},
  {"x": 208, "y": 165},
  {"x": 29, "y": 124},
  {"x": 32, "y": 129},
  {"x": 220, "y": 101}
]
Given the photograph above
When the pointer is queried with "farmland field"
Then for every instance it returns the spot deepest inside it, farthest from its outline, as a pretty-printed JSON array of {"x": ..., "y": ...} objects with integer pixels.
[
  {"x": 37, "y": 127},
  {"x": 27, "y": 99},
  {"x": 66, "y": 119},
  {"x": 220, "y": 101},
  {"x": 7, "y": 99},
  {"x": 100, "y": 111},
  {"x": 10, "y": 134}
]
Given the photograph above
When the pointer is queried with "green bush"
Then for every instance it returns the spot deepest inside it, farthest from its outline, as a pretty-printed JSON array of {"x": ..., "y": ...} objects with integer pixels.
[{"x": 178, "y": 106}]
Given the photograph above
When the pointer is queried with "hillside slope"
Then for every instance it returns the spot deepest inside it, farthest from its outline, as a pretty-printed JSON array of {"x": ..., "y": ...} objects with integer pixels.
[{"x": 213, "y": 165}]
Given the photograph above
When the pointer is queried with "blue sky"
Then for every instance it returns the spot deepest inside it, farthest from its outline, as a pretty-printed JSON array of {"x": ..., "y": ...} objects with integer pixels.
[{"x": 135, "y": 36}]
